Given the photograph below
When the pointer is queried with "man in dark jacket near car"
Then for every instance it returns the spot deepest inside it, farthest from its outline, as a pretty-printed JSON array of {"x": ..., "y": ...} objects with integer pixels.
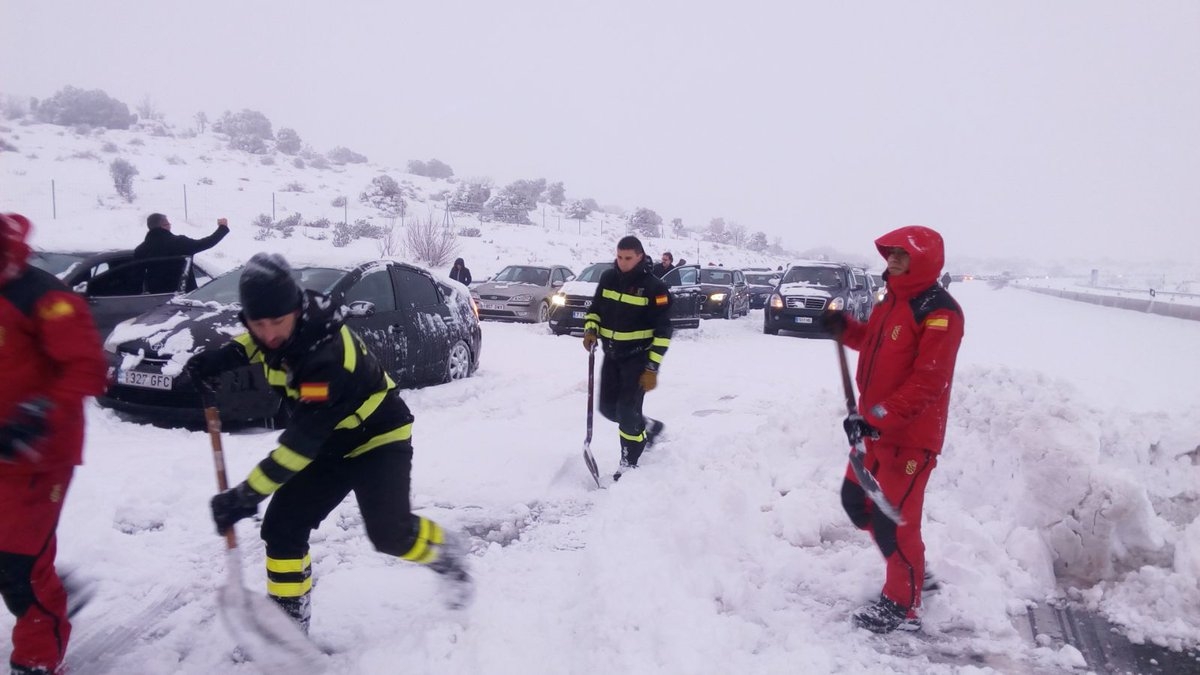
[
  {"x": 460, "y": 273},
  {"x": 907, "y": 350},
  {"x": 631, "y": 316},
  {"x": 52, "y": 360},
  {"x": 163, "y": 276},
  {"x": 349, "y": 432}
]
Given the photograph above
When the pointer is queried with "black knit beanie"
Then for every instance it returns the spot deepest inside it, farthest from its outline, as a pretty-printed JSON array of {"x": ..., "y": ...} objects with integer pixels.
[{"x": 267, "y": 288}]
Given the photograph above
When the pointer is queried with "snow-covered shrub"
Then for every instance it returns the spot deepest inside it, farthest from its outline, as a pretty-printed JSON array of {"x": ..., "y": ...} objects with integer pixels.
[
  {"x": 385, "y": 194},
  {"x": 342, "y": 235},
  {"x": 298, "y": 163},
  {"x": 294, "y": 186},
  {"x": 175, "y": 160},
  {"x": 267, "y": 160},
  {"x": 338, "y": 202},
  {"x": 644, "y": 221},
  {"x": 341, "y": 155},
  {"x": 71, "y": 106},
  {"x": 122, "y": 173},
  {"x": 108, "y": 146},
  {"x": 469, "y": 232},
  {"x": 288, "y": 141}
]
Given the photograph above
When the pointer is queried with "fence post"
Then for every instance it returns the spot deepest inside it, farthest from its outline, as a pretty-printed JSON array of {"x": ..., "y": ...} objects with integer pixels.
[
  {"x": 272, "y": 206},
  {"x": 53, "y": 201},
  {"x": 185, "y": 211},
  {"x": 345, "y": 210}
]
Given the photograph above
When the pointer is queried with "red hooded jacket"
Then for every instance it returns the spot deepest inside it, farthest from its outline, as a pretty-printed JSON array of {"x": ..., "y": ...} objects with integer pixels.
[
  {"x": 908, "y": 346},
  {"x": 48, "y": 347}
]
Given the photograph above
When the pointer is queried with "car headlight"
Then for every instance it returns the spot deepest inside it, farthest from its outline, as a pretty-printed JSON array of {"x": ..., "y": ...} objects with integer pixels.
[
  {"x": 777, "y": 301},
  {"x": 559, "y": 299},
  {"x": 837, "y": 303},
  {"x": 114, "y": 338},
  {"x": 717, "y": 297},
  {"x": 521, "y": 298},
  {"x": 880, "y": 294}
]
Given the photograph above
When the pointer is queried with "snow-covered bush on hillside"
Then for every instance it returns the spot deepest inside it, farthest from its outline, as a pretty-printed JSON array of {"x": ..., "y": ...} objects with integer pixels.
[
  {"x": 645, "y": 222},
  {"x": 577, "y": 209},
  {"x": 471, "y": 195},
  {"x": 430, "y": 242},
  {"x": 385, "y": 194},
  {"x": 122, "y": 173},
  {"x": 268, "y": 228},
  {"x": 341, "y": 155},
  {"x": 294, "y": 186},
  {"x": 434, "y": 168},
  {"x": 71, "y": 106},
  {"x": 507, "y": 207},
  {"x": 556, "y": 193},
  {"x": 288, "y": 141},
  {"x": 248, "y": 130}
]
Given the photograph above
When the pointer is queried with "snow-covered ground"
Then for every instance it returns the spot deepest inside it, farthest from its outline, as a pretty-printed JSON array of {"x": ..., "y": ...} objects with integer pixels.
[{"x": 1070, "y": 462}]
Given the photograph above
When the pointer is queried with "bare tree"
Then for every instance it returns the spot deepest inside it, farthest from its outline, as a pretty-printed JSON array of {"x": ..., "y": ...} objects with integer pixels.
[
  {"x": 388, "y": 242},
  {"x": 430, "y": 242}
]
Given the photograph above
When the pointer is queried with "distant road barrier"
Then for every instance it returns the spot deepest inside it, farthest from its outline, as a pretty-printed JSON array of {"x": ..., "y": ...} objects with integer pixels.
[{"x": 1150, "y": 305}]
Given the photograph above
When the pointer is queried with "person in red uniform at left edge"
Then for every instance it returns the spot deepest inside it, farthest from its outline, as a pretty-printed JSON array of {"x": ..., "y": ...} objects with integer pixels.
[
  {"x": 907, "y": 349},
  {"x": 52, "y": 359}
]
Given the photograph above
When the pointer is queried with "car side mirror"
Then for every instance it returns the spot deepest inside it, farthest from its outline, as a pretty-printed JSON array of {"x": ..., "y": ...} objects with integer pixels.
[
  {"x": 81, "y": 288},
  {"x": 360, "y": 309},
  {"x": 557, "y": 284}
]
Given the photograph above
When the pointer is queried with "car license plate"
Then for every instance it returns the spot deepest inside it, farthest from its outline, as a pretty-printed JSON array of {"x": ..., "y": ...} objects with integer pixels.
[
  {"x": 578, "y": 315},
  {"x": 133, "y": 378},
  {"x": 494, "y": 306},
  {"x": 804, "y": 319}
]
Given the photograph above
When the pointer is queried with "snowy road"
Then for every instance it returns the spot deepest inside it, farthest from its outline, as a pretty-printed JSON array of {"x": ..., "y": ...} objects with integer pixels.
[{"x": 728, "y": 551}]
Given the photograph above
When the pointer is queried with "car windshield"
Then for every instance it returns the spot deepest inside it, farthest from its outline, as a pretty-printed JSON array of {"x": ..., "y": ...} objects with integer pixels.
[
  {"x": 224, "y": 289},
  {"x": 55, "y": 263},
  {"x": 761, "y": 278},
  {"x": 592, "y": 272},
  {"x": 519, "y": 274},
  {"x": 825, "y": 277},
  {"x": 723, "y": 277}
]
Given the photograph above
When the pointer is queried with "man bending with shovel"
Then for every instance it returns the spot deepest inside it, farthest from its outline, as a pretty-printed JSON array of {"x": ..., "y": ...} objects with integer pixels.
[{"x": 349, "y": 432}]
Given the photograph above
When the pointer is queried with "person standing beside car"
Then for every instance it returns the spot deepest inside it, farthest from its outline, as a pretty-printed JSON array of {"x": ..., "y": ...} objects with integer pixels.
[
  {"x": 52, "y": 360},
  {"x": 349, "y": 432},
  {"x": 163, "y": 276},
  {"x": 666, "y": 264},
  {"x": 907, "y": 350},
  {"x": 460, "y": 273},
  {"x": 630, "y": 315}
]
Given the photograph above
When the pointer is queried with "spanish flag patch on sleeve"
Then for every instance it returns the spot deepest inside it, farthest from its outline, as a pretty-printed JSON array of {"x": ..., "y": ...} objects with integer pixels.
[
  {"x": 661, "y": 300},
  {"x": 59, "y": 309},
  {"x": 937, "y": 323},
  {"x": 314, "y": 392}
]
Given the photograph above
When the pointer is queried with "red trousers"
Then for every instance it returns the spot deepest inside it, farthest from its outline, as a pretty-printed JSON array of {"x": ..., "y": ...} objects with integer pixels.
[
  {"x": 902, "y": 474},
  {"x": 30, "y": 504}
]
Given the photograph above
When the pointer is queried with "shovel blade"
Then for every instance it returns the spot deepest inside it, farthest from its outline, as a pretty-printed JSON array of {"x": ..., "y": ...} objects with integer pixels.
[
  {"x": 591, "y": 463},
  {"x": 273, "y": 642}
]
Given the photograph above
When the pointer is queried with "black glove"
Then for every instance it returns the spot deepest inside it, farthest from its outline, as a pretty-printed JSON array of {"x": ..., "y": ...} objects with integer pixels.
[
  {"x": 857, "y": 429},
  {"x": 834, "y": 322},
  {"x": 24, "y": 428},
  {"x": 204, "y": 367},
  {"x": 232, "y": 505}
]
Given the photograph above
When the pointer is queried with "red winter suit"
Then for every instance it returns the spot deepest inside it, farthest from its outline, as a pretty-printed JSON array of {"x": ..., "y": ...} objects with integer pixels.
[
  {"x": 49, "y": 351},
  {"x": 907, "y": 351}
]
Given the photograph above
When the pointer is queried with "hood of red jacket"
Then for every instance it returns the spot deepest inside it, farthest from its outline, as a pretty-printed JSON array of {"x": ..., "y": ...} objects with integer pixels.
[
  {"x": 14, "y": 250},
  {"x": 926, "y": 254}
]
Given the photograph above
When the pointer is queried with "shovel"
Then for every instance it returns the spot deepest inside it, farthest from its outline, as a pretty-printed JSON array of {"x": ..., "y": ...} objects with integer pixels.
[
  {"x": 270, "y": 638},
  {"x": 587, "y": 441},
  {"x": 858, "y": 449}
]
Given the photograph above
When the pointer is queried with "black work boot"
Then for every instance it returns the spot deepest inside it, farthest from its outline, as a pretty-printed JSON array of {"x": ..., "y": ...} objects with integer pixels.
[
  {"x": 931, "y": 584},
  {"x": 458, "y": 588},
  {"x": 300, "y": 609},
  {"x": 30, "y": 670},
  {"x": 884, "y": 616},
  {"x": 654, "y": 429}
]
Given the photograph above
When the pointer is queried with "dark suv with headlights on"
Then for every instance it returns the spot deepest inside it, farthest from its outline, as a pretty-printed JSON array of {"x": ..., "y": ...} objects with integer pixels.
[
  {"x": 727, "y": 291},
  {"x": 808, "y": 288},
  {"x": 569, "y": 305}
]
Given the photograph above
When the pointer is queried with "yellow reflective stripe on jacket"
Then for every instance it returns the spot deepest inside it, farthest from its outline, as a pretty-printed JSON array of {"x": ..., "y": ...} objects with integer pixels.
[
  {"x": 278, "y": 378},
  {"x": 248, "y": 346},
  {"x": 401, "y": 434},
  {"x": 289, "y": 589},
  {"x": 625, "y": 298},
  {"x": 422, "y": 552},
  {"x": 628, "y": 437},
  {"x": 632, "y": 335},
  {"x": 290, "y": 459},
  {"x": 259, "y": 482},
  {"x": 292, "y": 565},
  {"x": 349, "y": 351},
  {"x": 661, "y": 342},
  {"x": 656, "y": 357},
  {"x": 368, "y": 407}
]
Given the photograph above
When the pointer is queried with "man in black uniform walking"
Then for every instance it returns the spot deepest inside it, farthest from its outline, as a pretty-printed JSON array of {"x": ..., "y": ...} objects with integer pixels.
[
  {"x": 163, "y": 276},
  {"x": 349, "y": 432},
  {"x": 631, "y": 316}
]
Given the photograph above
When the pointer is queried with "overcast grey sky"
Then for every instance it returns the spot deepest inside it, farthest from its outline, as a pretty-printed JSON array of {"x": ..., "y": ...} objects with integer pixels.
[{"x": 1015, "y": 128}]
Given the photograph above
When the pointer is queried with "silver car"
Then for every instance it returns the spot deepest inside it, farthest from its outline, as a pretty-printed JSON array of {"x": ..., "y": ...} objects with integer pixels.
[{"x": 520, "y": 292}]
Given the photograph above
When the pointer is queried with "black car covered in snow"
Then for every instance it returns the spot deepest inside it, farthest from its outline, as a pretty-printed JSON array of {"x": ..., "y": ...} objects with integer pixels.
[
  {"x": 568, "y": 306},
  {"x": 728, "y": 294},
  {"x": 423, "y": 330},
  {"x": 113, "y": 283},
  {"x": 808, "y": 288},
  {"x": 761, "y": 284}
]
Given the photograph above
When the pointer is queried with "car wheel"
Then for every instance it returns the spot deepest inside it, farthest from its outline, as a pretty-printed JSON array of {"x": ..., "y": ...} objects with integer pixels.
[
  {"x": 768, "y": 330},
  {"x": 458, "y": 366},
  {"x": 544, "y": 312}
]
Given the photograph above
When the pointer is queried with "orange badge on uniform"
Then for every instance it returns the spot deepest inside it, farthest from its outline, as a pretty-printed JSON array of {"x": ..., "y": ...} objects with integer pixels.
[
  {"x": 59, "y": 309},
  {"x": 938, "y": 323},
  {"x": 315, "y": 392},
  {"x": 661, "y": 299}
]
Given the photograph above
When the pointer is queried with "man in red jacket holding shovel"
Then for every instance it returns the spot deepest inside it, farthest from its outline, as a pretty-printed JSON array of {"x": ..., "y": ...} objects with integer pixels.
[
  {"x": 52, "y": 360},
  {"x": 907, "y": 351}
]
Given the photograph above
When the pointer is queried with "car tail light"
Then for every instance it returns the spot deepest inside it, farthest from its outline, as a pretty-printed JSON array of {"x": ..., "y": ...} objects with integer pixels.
[{"x": 475, "y": 308}]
